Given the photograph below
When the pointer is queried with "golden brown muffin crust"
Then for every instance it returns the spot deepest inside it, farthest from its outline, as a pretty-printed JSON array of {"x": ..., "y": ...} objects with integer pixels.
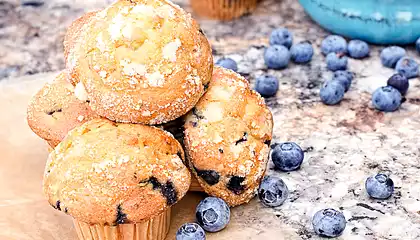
[
  {"x": 55, "y": 110},
  {"x": 227, "y": 138},
  {"x": 142, "y": 61},
  {"x": 73, "y": 32},
  {"x": 109, "y": 173}
]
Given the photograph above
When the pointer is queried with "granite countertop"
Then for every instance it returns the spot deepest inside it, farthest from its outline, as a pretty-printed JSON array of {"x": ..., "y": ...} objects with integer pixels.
[{"x": 344, "y": 144}]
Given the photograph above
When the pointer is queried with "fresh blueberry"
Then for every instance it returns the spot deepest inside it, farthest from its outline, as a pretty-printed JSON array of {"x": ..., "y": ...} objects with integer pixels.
[
  {"x": 228, "y": 63},
  {"x": 386, "y": 99},
  {"x": 302, "y": 52},
  {"x": 332, "y": 92},
  {"x": 336, "y": 61},
  {"x": 276, "y": 57},
  {"x": 418, "y": 45},
  {"x": 190, "y": 231},
  {"x": 358, "y": 49},
  {"x": 273, "y": 191},
  {"x": 281, "y": 36},
  {"x": 333, "y": 43},
  {"x": 379, "y": 186},
  {"x": 399, "y": 82},
  {"x": 390, "y": 56},
  {"x": 287, "y": 156},
  {"x": 407, "y": 67},
  {"x": 213, "y": 214},
  {"x": 345, "y": 77},
  {"x": 329, "y": 223},
  {"x": 267, "y": 85}
]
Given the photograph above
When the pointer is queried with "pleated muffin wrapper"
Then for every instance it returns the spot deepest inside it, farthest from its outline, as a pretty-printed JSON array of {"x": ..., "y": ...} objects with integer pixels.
[
  {"x": 195, "y": 186},
  {"x": 154, "y": 229},
  {"x": 223, "y": 9}
]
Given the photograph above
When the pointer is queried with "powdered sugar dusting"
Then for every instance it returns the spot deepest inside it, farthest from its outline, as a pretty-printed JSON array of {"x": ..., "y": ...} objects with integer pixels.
[
  {"x": 131, "y": 69},
  {"x": 142, "y": 9},
  {"x": 155, "y": 79},
  {"x": 169, "y": 51},
  {"x": 115, "y": 27},
  {"x": 80, "y": 92}
]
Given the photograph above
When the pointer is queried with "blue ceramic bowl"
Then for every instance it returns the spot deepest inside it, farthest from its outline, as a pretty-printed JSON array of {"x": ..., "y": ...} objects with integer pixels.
[{"x": 375, "y": 21}]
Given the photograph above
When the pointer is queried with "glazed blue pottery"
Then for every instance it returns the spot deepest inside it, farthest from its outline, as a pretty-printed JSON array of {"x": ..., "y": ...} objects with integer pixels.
[{"x": 374, "y": 21}]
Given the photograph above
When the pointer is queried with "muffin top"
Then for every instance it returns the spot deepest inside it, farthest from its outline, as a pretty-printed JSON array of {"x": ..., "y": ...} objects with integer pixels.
[
  {"x": 227, "y": 138},
  {"x": 73, "y": 31},
  {"x": 109, "y": 173},
  {"x": 55, "y": 110},
  {"x": 142, "y": 61}
]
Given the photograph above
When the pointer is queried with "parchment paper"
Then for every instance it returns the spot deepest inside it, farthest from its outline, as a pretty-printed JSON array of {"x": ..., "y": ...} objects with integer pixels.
[{"x": 25, "y": 214}]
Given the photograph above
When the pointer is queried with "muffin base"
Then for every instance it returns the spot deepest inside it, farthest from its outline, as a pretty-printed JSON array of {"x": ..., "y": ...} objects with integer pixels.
[
  {"x": 195, "y": 186},
  {"x": 154, "y": 229},
  {"x": 223, "y": 9}
]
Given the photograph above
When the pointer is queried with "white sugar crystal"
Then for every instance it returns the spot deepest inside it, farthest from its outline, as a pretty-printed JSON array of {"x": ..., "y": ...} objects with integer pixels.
[
  {"x": 169, "y": 51},
  {"x": 155, "y": 79},
  {"x": 80, "y": 92}
]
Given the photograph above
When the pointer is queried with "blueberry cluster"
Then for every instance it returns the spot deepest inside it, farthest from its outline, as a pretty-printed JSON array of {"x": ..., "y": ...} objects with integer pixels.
[
  {"x": 278, "y": 56},
  {"x": 212, "y": 215},
  {"x": 282, "y": 50},
  {"x": 395, "y": 57},
  {"x": 389, "y": 98},
  {"x": 336, "y": 49}
]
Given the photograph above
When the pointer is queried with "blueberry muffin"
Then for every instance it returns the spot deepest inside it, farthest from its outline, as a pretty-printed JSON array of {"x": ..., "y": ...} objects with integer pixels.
[
  {"x": 142, "y": 61},
  {"x": 118, "y": 179},
  {"x": 55, "y": 110},
  {"x": 227, "y": 138}
]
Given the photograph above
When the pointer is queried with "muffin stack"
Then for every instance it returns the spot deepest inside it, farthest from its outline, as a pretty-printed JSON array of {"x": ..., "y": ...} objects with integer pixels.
[{"x": 132, "y": 65}]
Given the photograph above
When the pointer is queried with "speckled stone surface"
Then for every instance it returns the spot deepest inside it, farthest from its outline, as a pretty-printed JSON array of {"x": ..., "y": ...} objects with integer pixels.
[{"x": 343, "y": 144}]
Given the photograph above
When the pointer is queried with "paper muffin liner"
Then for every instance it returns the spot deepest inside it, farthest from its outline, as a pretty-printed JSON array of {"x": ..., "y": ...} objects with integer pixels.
[
  {"x": 195, "y": 186},
  {"x": 223, "y": 9},
  {"x": 154, "y": 229}
]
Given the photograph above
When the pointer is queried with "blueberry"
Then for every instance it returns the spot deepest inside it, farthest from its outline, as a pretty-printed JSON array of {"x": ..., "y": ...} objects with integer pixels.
[
  {"x": 267, "y": 85},
  {"x": 287, "y": 156},
  {"x": 276, "y": 57},
  {"x": 302, "y": 52},
  {"x": 399, "y": 82},
  {"x": 333, "y": 43},
  {"x": 344, "y": 77},
  {"x": 358, "y": 49},
  {"x": 379, "y": 186},
  {"x": 332, "y": 92},
  {"x": 272, "y": 191},
  {"x": 336, "y": 61},
  {"x": 190, "y": 231},
  {"x": 213, "y": 214},
  {"x": 407, "y": 67},
  {"x": 281, "y": 36},
  {"x": 386, "y": 99},
  {"x": 390, "y": 56},
  {"x": 418, "y": 45},
  {"x": 228, "y": 63},
  {"x": 329, "y": 223}
]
